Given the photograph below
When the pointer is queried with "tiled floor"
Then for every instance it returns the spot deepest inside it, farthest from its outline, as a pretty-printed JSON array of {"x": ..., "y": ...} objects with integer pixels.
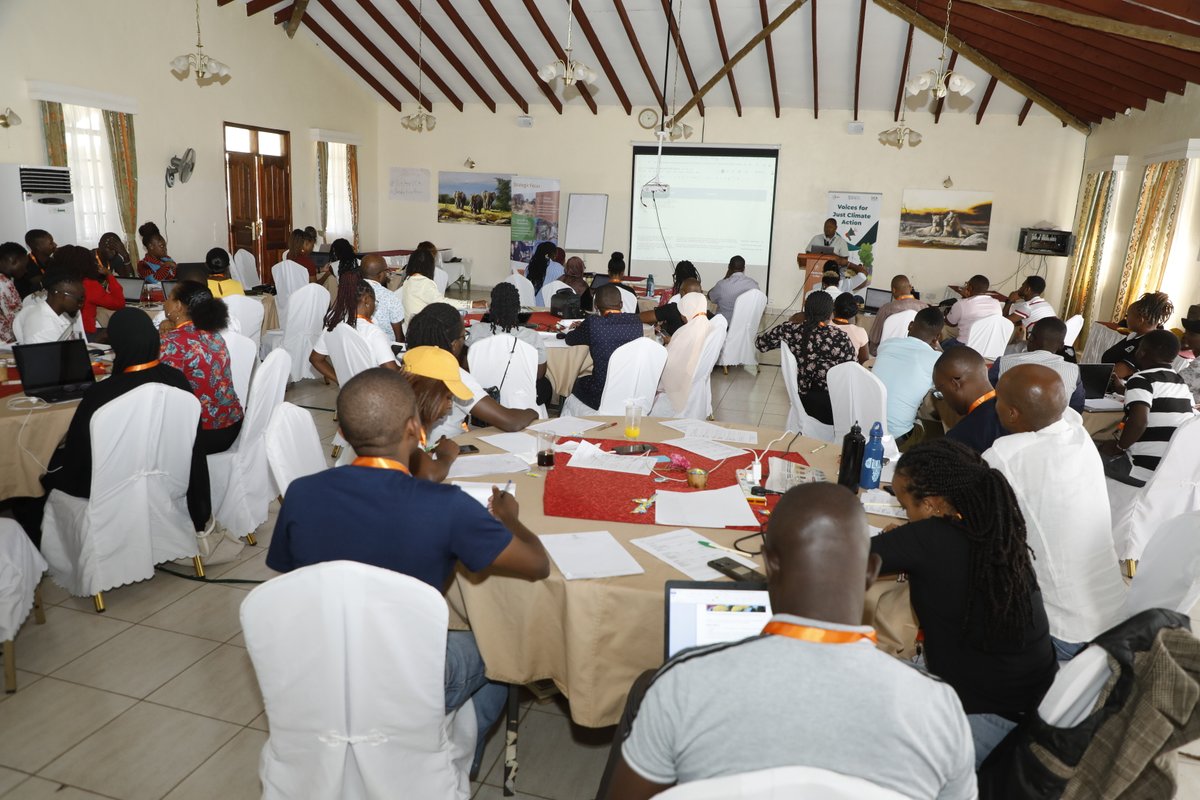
[{"x": 157, "y": 697}]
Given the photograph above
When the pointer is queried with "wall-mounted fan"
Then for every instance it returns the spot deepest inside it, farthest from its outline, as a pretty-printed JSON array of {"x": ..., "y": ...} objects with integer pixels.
[{"x": 181, "y": 166}]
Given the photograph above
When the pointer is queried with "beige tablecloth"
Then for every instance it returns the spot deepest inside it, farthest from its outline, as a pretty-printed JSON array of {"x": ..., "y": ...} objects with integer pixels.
[
  {"x": 591, "y": 637},
  {"x": 27, "y": 440},
  {"x": 565, "y": 364},
  {"x": 1101, "y": 423}
]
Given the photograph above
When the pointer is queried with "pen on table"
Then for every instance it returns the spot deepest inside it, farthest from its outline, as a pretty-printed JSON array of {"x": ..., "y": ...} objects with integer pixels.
[
  {"x": 818, "y": 448},
  {"x": 604, "y": 427},
  {"x": 704, "y": 543}
]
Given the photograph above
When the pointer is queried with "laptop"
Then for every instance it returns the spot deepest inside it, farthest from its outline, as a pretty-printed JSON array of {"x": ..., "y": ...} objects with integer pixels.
[
  {"x": 132, "y": 287},
  {"x": 823, "y": 249},
  {"x": 168, "y": 288},
  {"x": 55, "y": 371},
  {"x": 700, "y": 613},
  {"x": 1095, "y": 379},
  {"x": 876, "y": 299}
]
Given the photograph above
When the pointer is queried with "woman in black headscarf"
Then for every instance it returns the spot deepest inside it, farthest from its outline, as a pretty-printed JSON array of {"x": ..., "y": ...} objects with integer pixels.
[{"x": 536, "y": 271}]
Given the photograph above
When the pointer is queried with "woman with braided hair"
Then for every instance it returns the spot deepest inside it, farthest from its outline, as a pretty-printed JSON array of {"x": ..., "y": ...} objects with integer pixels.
[
  {"x": 973, "y": 585},
  {"x": 1149, "y": 312},
  {"x": 354, "y": 305},
  {"x": 504, "y": 317}
]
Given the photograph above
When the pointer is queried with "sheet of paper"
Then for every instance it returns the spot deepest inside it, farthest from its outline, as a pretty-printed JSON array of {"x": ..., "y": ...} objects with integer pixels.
[
  {"x": 705, "y": 447},
  {"x": 471, "y": 466},
  {"x": 522, "y": 445},
  {"x": 714, "y": 508},
  {"x": 590, "y": 456},
  {"x": 566, "y": 426},
  {"x": 699, "y": 429},
  {"x": 552, "y": 340},
  {"x": 595, "y": 554},
  {"x": 877, "y": 501},
  {"x": 874, "y": 531},
  {"x": 1104, "y": 404},
  {"x": 683, "y": 551},
  {"x": 482, "y": 492},
  {"x": 783, "y": 475},
  {"x": 408, "y": 184}
]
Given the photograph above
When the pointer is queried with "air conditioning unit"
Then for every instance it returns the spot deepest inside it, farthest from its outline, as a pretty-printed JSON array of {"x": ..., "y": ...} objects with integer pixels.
[
  {"x": 36, "y": 197},
  {"x": 1039, "y": 242}
]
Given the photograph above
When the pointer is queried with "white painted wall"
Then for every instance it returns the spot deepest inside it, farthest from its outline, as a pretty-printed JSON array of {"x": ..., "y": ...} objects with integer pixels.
[
  {"x": 1033, "y": 171},
  {"x": 123, "y": 47}
]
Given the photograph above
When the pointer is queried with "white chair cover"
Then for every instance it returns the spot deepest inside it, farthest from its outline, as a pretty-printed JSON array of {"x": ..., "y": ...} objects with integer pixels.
[
  {"x": 897, "y": 325},
  {"x": 289, "y": 278},
  {"x": 349, "y": 352},
  {"x": 245, "y": 269},
  {"x": 441, "y": 279},
  {"x": 21, "y": 568},
  {"x": 293, "y": 446},
  {"x": 1100, "y": 338},
  {"x": 1072, "y": 696},
  {"x": 524, "y": 288},
  {"x": 798, "y": 419},
  {"x": 856, "y": 396},
  {"x": 1173, "y": 489},
  {"x": 137, "y": 515},
  {"x": 699, "y": 404},
  {"x": 1074, "y": 326},
  {"x": 248, "y": 314},
  {"x": 552, "y": 288},
  {"x": 782, "y": 783},
  {"x": 239, "y": 479},
  {"x": 633, "y": 375},
  {"x": 989, "y": 336},
  {"x": 629, "y": 302},
  {"x": 243, "y": 356},
  {"x": 1168, "y": 574},
  {"x": 747, "y": 316},
  {"x": 488, "y": 359},
  {"x": 302, "y": 328},
  {"x": 350, "y": 659}
]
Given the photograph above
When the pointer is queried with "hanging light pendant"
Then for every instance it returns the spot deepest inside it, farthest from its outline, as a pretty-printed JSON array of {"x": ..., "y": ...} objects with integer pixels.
[
  {"x": 570, "y": 70},
  {"x": 422, "y": 120},
  {"x": 940, "y": 80},
  {"x": 203, "y": 64}
]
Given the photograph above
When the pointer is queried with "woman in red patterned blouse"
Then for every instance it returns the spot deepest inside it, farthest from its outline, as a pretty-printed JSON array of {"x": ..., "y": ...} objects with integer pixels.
[{"x": 157, "y": 266}]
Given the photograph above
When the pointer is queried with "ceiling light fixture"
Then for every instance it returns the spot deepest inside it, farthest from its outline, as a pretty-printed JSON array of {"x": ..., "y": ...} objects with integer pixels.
[
  {"x": 204, "y": 65},
  {"x": 900, "y": 135},
  {"x": 570, "y": 70},
  {"x": 680, "y": 130},
  {"x": 9, "y": 119},
  {"x": 422, "y": 120},
  {"x": 940, "y": 80}
]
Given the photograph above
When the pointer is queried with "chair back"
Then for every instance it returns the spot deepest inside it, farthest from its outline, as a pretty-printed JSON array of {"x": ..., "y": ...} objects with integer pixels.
[
  {"x": 747, "y": 316},
  {"x": 856, "y": 396},
  {"x": 245, "y": 316},
  {"x": 989, "y": 336},
  {"x": 1168, "y": 574},
  {"x": 349, "y": 352},
  {"x": 243, "y": 355},
  {"x": 1173, "y": 489},
  {"x": 441, "y": 279},
  {"x": 629, "y": 302},
  {"x": 289, "y": 278},
  {"x": 488, "y": 360},
  {"x": 350, "y": 660},
  {"x": 302, "y": 327},
  {"x": 699, "y": 402},
  {"x": 1074, "y": 326},
  {"x": 245, "y": 269},
  {"x": 634, "y": 371},
  {"x": 1076, "y": 687},
  {"x": 1100, "y": 338},
  {"x": 552, "y": 288},
  {"x": 782, "y": 783},
  {"x": 267, "y": 388},
  {"x": 798, "y": 419},
  {"x": 137, "y": 514},
  {"x": 524, "y": 288},
  {"x": 21, "y": 568},
  {"x": 293, "y": 446},
  {"x": 897, "y": 324}
]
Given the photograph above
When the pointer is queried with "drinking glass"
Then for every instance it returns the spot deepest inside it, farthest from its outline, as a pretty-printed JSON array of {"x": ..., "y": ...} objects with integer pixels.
[
  {"x": 545, "y": 449},
  {"x": 633, "y": 421}
]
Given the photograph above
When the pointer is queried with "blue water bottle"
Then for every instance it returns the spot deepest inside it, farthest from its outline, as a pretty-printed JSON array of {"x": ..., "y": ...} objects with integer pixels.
[
  {"x": 649, "y": 286},
  {"x": 873, "y": 459}
]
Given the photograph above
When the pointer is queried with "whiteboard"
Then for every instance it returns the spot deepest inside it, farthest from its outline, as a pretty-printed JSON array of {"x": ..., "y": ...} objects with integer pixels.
[{"x": 586, "y": 215}]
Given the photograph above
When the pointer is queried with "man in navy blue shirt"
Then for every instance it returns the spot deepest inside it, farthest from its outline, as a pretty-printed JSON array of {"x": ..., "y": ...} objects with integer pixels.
[
  {"x": 961, "y": 376},
  {"x": 374, "y": 512},
  {"x": 603, "y": 334}
]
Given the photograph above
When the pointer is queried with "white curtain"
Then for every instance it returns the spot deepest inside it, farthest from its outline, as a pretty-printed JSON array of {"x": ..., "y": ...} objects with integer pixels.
[
  {"x": 338, "y": 223},
  {"x": 88, "y": 156}
]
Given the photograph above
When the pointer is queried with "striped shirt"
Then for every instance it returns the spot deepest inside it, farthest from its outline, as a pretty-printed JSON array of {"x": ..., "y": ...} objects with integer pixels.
[{"x": 1170, "y": 403}]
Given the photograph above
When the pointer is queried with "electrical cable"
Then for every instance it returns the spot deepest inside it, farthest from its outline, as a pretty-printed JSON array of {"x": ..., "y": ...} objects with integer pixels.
[{"x": 205, "y": 579}]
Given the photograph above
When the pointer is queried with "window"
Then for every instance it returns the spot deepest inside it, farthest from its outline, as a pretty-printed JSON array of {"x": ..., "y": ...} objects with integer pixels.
[
  {"x": 90, "y": 162},
  {"x": 338, "y": 224}
]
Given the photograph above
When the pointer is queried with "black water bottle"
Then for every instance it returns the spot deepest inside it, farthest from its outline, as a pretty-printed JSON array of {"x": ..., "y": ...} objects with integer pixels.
[{"x": 853, "y": 446}]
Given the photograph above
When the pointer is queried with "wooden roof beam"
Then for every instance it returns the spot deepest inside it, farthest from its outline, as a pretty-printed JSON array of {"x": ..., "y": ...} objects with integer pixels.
[
  {"x": 387, "y": 27},
  {"x": 351, "y": 62},
  {"x": 465, "y": 30},
  {"x": 816, "y": 101},
  {"x": 987, "y": 98},
  {"x": 987, "y": 65},
  {"x": 641, "y": 56},
  {"x": 941, "y": 101},
  {"x": 339, "y": 16},
  {"x": 1064, "y": 83},
  {"x": 255, "y": 6},
  {"x": 518, "y": 51},
  {"x": 1116, "y": 27},
  {"x": 284, "y": 14},
  {"x": 762, "y": 12},
  {"x": 559, "y": 53},
  {"x": 1024, "y": 112},
  {"x": 903, "y": 73},
  {"x": 223, "y": 3},
  {"x": 448, "y": 53},
  {"x": 681, "y": 54},
  {"x": 862, "y": 24},
  {"x": 598, "y": 49},
  {"x": 716, "y": 15}
]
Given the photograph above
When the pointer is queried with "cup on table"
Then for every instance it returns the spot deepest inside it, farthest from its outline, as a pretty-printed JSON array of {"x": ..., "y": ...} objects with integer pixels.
[
  {"x": 697, "y": 478},
  {"x": 633, "y": 421},
  {"x": 545, "y": 449}
]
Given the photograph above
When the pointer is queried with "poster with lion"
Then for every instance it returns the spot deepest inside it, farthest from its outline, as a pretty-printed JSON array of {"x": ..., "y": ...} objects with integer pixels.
[
  {"x": 474, "y": 198},
  {"x": 943, "y": 219}
]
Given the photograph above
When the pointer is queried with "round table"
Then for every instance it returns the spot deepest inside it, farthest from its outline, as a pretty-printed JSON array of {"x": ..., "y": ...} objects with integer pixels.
[
  {"x": 594, "y": 637},
  {"x": 270, "y": 311},
  {"x": 28, "y": 437}
]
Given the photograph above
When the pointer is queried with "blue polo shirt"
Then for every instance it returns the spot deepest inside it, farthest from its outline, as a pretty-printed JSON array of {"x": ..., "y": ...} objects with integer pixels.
[
  {"x": 980, "y": 428},
  {"x": 387, "y": 519}
]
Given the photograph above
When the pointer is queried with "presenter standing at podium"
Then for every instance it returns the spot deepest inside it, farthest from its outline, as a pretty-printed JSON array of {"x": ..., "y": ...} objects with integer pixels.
[{"x": 836, "y": 248}]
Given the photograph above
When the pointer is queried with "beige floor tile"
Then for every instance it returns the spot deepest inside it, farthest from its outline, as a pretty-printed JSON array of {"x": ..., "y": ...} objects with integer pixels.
[
  {"x": 24, "y": 679},
  {"x": 66, "y": 635},
  {"x": 43, "y": 721},
  {"x": 557, "y": 759},
  {"x": 220, "y": 685},
  {"x": 237, "y": 641},
  {"x": 210, "y": 613},
  {"x": 743, "y": 417},
  {"x": 42, "y": 789},
  {"x": 142, "y": 754},
  {"x": 776, "y": 422},
  {"x": 259, "y": 723},
  {"x": 136, "y": 661},
  {"x": 254, "y": 569},
  {"x": 231, "y": 773},
  {"x": 52, "y": 593},
  {"x": 10, "y": 778},
  {"x": 136, "y": 601},
  {"x": 1187, "y": 773},
  {"x": 496, "y": 793}
]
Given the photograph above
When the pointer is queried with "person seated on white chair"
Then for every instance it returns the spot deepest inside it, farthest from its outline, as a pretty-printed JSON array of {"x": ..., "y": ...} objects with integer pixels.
[
  {"x": 683, "y": 351},
  {"x": 903, "y": 299},
  {"x": 542, "y": 269},
  {"x": 219, "y": 281},
  {"x": 573, "y": 272},
  {"x": 503, "y": 317},
  {"x": 389, "y": 311},
  {"x": 768, "y": 701},
  {"x": 405, "y": 524},
  {"x": 41, "y": 247},
  {"x": 603, "y": 333},
  {"x": 829, "y": 284},
  {"x": 354, "y": 305},
  {"x": 667, "y": 317},
  {"x": 12, "y": 269},
  {"x": 616, "y": 274},
  {"x": 419, "y": 289},
  {"x": 905, "y": 366},
  {"x": 1045, "y": 345},
  {"x": 51, "y": 318},
  {"x": 960, "y": 376},
  {"x": 845, "y": 311},
  {"x": 1026, "y": 306},
  {"x": 300, "y": 247},
  {"x": 726, "y": 291},
  {"x": 976, "y": 304},
  {"x": 437, "y": 384}
]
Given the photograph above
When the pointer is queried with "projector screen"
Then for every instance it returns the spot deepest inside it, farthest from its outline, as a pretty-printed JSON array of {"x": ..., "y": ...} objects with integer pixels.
[{"x": 720, "y": 202}]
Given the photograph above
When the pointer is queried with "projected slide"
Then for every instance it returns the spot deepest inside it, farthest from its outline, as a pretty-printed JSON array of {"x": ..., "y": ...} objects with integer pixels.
[{"x": 719, "y": 203}]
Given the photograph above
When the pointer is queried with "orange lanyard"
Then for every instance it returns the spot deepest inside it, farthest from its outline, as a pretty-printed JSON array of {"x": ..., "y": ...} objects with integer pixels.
[
  {"x": 379, "y": 462},
  {"x": 905, "y": 297},
  {"x": 423, "y": 440},
  {"x": 140, "y": 367},
  {"x": 366, "y": 319},
  {"x": 840, "y": 321},
  {"x": 981, "y": 401},
  {"x": 806, "y": 633}
]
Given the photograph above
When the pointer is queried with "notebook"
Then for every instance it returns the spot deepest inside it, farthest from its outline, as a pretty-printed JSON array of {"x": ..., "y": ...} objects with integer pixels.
[
  {"x": 55, "y": 371},
  {"x": 1095, "y": 379},
  {"x": 132, "y": 288},
  {"x": 875, "y": 299},
  {"x": 700, "y": 613}
]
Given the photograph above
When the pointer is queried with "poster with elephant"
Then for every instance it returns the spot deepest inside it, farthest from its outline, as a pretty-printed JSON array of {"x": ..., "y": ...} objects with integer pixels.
[
  {"x": 474, "y": 198},
  {"x": 944, "y": 219},
  {"x": 535, "y": 203}
]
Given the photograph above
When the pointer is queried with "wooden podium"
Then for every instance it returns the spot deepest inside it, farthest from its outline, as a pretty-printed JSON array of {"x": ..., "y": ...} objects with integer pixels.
[{"x": 813, "y": 266}]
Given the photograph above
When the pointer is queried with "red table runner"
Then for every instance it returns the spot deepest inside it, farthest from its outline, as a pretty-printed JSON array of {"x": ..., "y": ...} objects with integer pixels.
[
  {"x": 609, "y": 496},
  {"x": 542, "y": 320}
]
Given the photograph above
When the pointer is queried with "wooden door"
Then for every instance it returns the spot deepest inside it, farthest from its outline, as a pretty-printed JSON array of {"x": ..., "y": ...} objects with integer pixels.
[
  {"x": 241, "y": 171},
  {"x": 275, "y": 206},
  {"x": 259, "y": 193}
]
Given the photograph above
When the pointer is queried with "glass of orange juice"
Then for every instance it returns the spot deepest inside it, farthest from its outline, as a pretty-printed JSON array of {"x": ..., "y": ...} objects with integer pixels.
[{"x": 633, "y": 421}]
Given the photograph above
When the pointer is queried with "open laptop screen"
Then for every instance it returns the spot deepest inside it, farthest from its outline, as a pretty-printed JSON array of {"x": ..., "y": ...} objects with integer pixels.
[
  {"x": 710, "y": 612},
  {"x": 876, "y": 298},
  {"x": 50, "y": 365},
  {"x": 132, "y": 289},
  {"x": 1095, "y": 378}
]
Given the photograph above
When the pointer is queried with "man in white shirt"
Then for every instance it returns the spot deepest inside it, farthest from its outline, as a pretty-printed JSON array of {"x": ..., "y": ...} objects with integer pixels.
[
  {"x": 1045, "y": 341},
  {"x": 52, "y": 318},
  {"x": 976, "y": 303},
  {"x": 389, "y": 311},
  {"x": 727, "y": 290},
  {"x": 1025, "y": 306},
  {"x": 829, "y": 237},
  {"x": 1057, "y": 476}
]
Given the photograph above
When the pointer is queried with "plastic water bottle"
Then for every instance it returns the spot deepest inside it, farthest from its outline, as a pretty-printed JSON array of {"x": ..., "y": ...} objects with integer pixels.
[
  {"x": 649, "y": 286},
  {"x": 853, "y": 445},
  {"x": 872, "y": 464}
]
